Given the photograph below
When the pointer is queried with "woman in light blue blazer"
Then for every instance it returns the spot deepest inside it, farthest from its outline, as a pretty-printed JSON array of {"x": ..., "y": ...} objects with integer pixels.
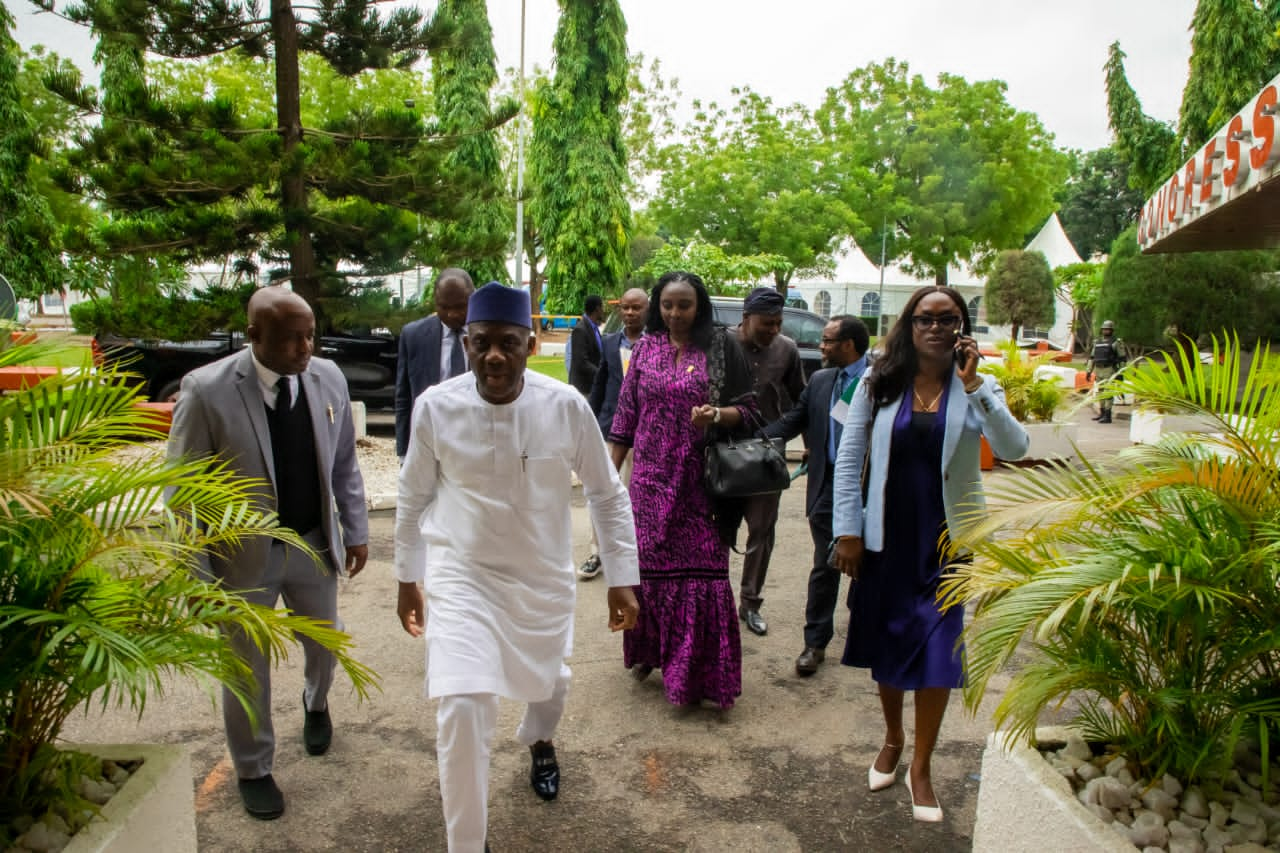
[{"x": 915, "y": 422}]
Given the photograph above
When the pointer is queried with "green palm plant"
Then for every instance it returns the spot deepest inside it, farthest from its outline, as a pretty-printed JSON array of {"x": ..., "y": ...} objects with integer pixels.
[
  {"x": 1025, "y": 395},
  {"x": 97, "y": 602},
  {"x": 1144, "y": 589}
]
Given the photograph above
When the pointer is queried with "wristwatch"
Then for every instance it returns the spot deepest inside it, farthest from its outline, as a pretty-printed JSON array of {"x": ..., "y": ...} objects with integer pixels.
[{"x": 715, "y": 419}]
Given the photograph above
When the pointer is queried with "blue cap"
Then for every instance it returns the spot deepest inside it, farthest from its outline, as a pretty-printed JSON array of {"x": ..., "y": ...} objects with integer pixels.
[{"x": 497, "y": 303}]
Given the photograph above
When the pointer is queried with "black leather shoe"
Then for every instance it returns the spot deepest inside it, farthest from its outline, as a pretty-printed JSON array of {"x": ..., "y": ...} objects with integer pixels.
[
  {"x": 809, "y": 661},
  {"x": 1105, "y": 419},
  {"x": 544, "y": 774},
  {"x": 755, "y": 622},
  {"x": 317, "y": 729},
  {"x": 262, "y": 799}
]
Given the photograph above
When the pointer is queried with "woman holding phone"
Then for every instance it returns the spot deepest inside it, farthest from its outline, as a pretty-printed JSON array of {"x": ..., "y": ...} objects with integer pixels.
[{"x": 915, "y": 421}]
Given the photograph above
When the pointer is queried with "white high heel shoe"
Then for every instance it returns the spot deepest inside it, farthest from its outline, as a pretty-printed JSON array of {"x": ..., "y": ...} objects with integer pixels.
[
  {"x": 924, "y": 814},
  {"x": 878, "y": 781}
]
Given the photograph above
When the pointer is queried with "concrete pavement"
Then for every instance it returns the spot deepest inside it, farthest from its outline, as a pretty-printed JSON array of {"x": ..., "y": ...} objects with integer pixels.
[{"x": 784, "y": 770}]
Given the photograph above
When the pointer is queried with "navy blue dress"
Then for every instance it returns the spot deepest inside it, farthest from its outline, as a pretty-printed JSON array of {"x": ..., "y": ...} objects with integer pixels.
[{"x": 896, "y": 629}]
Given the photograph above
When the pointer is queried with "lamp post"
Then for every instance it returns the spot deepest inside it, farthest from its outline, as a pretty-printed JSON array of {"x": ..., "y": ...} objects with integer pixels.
[
  {"x": 417, "y": 262},
  {"x": 520, "y": 165},
  {"x": 884, "y": 237}
]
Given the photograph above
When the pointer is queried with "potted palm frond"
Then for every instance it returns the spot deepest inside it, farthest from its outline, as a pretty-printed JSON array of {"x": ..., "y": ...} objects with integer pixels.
[
  {"x": 96, "y": 600},
  {"x": 1142, "y": 591},
  {"x": 1034, "y": 400}
]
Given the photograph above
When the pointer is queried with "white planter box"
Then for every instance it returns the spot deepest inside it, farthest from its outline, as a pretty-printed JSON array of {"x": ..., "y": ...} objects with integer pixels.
[
  {"x": 1051, "y": 440},
  {"x": 154, "y": 811},
  {"x": 1146, "y": 426},
  {"x": 1024, "y": 804}
]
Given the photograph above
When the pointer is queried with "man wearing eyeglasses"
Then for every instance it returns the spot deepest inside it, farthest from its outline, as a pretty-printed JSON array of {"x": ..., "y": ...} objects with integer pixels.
[{"x": 820, "y": 414}]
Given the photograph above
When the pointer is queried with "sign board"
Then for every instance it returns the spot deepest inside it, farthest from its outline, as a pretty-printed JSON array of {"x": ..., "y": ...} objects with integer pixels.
[{"x": 1239, "y": 159}]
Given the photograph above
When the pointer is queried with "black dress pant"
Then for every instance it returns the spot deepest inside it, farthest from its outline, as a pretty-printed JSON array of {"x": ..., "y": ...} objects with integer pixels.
[{"x": 824, "y": 581}]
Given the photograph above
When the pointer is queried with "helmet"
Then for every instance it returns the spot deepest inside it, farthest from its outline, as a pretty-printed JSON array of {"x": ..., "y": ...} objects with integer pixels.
[{"x": 1107, "y": 324}]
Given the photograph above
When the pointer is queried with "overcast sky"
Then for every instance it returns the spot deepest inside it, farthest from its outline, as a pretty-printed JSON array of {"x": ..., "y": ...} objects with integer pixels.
[{"x": 1050, "y": 52}]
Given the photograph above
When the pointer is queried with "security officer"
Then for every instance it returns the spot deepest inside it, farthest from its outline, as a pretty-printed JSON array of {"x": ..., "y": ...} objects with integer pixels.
[{"x": 1107, "y": 357}]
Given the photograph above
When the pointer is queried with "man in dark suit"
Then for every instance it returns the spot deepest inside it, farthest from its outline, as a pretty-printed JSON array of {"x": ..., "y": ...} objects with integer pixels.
[
  {"x": 277, "y": 415},
  {"x": 586, "y": 345},
  {"x": 431, "y": 349},
  {"x": 820, "y": 414},
  {"x": 634, "y": 308}
]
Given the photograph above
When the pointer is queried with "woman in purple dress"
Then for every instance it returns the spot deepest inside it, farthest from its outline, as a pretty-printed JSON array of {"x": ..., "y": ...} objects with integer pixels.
[
  {"x": 915, "y": 421},
  {"x": 688, "y": 625}
]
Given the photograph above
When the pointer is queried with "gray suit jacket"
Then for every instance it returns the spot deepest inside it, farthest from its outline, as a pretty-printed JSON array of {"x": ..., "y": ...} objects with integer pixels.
[
  {"x": 220, "y": 412},
  {"x": 417, "y": 369}
]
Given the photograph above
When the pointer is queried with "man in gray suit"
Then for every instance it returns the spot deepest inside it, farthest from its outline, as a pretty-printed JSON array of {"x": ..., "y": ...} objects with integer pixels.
[
  {"x": 275, "y": 414},
  {"x": 431, "y": 348}
]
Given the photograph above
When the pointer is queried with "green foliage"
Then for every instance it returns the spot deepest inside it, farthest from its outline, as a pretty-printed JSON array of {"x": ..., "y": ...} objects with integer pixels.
[
  {"x": 577, "y": 160},
  {"x": 97, "y": 600},
  {"x": 1145, "y": 588},
  {"x": 1148, "y": 146},
  {"x": 29, "y": 240},
  {"x": 1026, "y": 396},
  {"x": 1234, "y": 52},
  {"x": 752, "y": 180},
  {"x": 1200, "y": 293},
  {"x": 1097, "y": 202},
  {"x": 1019, "y": 290},
  {"x": 955, "y": 170},
  {"x": 464, "y": 74},
  {"x": 231, "y": 164},
  {"x": 726, "y": 274}
]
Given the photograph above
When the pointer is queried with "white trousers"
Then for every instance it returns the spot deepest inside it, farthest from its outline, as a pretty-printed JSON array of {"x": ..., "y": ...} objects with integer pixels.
[{"x": 465, "y": 726}]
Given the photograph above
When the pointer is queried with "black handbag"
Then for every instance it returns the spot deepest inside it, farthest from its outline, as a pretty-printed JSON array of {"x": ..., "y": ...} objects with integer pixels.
[{"x": 741, "y": 467}]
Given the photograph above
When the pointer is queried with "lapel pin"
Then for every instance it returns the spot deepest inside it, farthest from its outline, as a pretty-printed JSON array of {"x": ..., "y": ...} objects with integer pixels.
[{"x": 329, "y": 408}]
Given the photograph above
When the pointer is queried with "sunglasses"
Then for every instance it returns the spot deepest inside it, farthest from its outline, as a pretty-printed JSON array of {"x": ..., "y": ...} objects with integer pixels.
[{"x": 946, "y": 321}]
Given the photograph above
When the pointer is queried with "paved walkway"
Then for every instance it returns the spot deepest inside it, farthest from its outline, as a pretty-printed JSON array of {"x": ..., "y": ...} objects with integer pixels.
[{"x": 784, "y": 770}]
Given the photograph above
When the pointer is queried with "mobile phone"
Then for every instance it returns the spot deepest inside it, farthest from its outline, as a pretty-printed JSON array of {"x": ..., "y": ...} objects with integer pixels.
[{"x": 956, "y": 351}]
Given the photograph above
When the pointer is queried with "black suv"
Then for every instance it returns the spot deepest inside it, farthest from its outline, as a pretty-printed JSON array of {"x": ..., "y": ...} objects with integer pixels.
[{"x": 803, "y": 327}]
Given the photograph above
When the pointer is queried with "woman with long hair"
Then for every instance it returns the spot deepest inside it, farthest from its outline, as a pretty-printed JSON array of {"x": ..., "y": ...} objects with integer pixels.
[
  {"x": 688, "y": 625},
  {"x": 907, "y": 474}
]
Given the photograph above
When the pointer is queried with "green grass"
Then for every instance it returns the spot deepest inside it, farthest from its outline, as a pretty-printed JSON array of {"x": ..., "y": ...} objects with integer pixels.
[{"x": 549, "y": 365}]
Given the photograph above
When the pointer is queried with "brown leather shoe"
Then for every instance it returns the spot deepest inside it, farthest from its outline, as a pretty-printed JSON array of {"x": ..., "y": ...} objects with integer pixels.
[{"x": 809, "y": 661}]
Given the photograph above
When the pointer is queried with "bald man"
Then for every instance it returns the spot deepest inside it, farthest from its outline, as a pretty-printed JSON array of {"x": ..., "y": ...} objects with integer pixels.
[
  {"x": 431, "y": 349},
  {"x": 634, "y": 308},
  {"x": 276, "y": 414}
]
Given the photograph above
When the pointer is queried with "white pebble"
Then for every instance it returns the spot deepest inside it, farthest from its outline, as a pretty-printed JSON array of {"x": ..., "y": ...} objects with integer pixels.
[
  {"x": 1115, "y": 765},
  {"x": 1194, "y": 802},
  {"x": 1244, "y": 812},
  {"x": 1076, "y": 748},
  {"x": 1160, "y": 802},
  {"x": 1087, "y": 771},
  {"x": 1171, "y": 785},
  {"x": 1186, "y": 844},
  {"x": 1148, "y": 830},
  {"x": 1112, "y": 793},
  {"x": 1218, "y": 814}
]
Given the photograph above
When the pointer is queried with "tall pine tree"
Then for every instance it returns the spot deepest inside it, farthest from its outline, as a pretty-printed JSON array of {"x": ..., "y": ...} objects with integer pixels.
[
  {"x": 464, "y": 72},
  {"x": 578, "y": 165},
  {"x": 194, "y": 179},
  {"x": 29, "y": 254}
]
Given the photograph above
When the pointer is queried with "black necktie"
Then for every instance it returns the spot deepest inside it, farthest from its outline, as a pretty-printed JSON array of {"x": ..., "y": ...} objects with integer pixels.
[
  {"x": 457, "y": 366},
  {"x": 283, "y": 401}
]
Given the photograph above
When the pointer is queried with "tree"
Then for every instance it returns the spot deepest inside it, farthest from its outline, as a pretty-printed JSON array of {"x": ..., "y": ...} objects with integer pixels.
[
  {"x": 464, "y": 74},
  {"x": 1148, "y": 145},
  {"x": 1020, "y": 290},
  {"x": 198, "y": 178},
  {"x": 752, "y": 181},
  {"x": 577, "y": 161},
  {"x": 1097, "y": 202},
  {"x": 1079, "y": 286},
  {"x": 29, "y": 242},
  {"x": 1188, "y": 296},
  {"x": 721, "y": 272},
  {"x": 955, "y": 171},
  {"x": 1233, "y": 52}
]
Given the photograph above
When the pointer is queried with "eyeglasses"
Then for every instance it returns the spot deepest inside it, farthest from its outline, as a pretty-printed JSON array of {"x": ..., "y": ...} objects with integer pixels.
[
  {"x": 834, "y": 341},
  {"x": 946, "y": 321}
]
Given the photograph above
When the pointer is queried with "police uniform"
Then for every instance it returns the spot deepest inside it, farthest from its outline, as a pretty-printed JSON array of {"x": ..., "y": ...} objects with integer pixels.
[{"x": 1107, "y": 356}]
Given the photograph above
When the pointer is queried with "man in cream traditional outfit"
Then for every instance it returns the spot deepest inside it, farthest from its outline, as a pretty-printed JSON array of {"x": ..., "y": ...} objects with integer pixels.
[
  {"x": 276, "y": 414},
  {"x": 483, "y": 551}
]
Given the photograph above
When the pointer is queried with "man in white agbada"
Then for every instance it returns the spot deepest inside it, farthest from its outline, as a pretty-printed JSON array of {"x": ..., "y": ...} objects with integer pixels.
[{"x": 483, "y": 551}]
